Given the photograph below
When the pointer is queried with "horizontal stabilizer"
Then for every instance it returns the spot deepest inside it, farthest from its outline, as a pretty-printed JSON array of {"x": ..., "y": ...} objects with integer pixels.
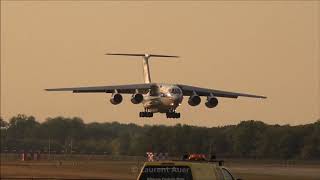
[
  {"x": 141, "y": 55},
  {"x": 146, "y": 57}
]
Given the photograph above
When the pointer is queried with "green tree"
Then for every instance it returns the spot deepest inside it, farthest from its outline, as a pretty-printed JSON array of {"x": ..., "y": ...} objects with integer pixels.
[
  {"x": 311, "y": 147},
  {"x": 3, "y": 123},
  {"x": 246, "y": 138}
]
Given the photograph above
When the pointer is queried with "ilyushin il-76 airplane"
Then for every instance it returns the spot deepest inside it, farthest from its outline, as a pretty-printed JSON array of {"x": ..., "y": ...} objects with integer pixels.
[{"x": 158, "y": 97}]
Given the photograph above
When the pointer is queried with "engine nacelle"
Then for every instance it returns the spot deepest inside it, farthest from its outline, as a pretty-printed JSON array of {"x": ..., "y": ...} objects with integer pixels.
[
  {"x": 137, "y": 98},
  {"x": 194, "y": 100},
  {"x": 211, "y": 102},
  {"x": 116, "y": 98}
]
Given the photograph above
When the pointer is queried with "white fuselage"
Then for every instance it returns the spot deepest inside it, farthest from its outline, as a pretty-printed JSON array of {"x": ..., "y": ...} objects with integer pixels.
[{"x": 167, "y": 98}]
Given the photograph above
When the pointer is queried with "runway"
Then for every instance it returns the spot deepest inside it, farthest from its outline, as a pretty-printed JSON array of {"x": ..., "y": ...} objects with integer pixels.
[{"x": 129, "y": 169}]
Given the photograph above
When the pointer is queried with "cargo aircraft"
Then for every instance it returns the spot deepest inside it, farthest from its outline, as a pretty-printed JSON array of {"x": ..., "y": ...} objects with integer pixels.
[{"x": 158, "y": 97}]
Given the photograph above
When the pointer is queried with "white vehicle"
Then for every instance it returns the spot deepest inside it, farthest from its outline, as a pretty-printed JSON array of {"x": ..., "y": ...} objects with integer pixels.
[
  {"x": 158, "y": 97},
  {"x": 196, "y": 169}
]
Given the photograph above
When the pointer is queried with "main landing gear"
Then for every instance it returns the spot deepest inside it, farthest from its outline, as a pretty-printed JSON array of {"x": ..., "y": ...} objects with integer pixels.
[
  {"x": 173, "y": 115},
  {"x": 170, "y": 114},
  {"x": 146, "y": 114}
]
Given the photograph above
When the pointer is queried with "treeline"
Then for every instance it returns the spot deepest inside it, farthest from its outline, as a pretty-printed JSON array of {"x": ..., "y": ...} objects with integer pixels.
[{"x": 248, "y": 139}]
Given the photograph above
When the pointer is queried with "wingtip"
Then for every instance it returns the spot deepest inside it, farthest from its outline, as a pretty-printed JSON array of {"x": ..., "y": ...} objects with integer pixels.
[{"x": 49, "y": 89}]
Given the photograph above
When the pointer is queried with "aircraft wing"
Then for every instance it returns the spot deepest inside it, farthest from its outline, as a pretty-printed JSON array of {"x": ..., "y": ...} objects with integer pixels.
[
  {"x": 125, "y": 89},
  {"x": 188, "y": 91}
]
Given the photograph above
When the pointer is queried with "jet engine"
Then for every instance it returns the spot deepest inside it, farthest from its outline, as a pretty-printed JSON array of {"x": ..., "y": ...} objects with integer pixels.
[
  {"x": 116, "y": 98},
  {"x": 137, "y": 98},
  {"x": 211, "y": 102},
  {"x": 194, "y": 100}
]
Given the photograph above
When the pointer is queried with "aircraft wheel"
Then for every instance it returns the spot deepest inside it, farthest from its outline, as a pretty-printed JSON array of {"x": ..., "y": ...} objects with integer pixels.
[
  {"x": 149, "y": 114},
  {"x": 145, "y": 114},
  {"x": 172, "y": 115}
]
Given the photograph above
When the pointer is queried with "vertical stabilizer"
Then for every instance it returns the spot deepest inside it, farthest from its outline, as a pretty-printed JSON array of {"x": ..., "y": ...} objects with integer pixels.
[{"x": 146, "y": 70}]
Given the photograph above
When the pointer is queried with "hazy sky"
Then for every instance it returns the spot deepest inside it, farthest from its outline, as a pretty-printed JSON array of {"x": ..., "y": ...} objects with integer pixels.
[{"x": 264, "y": 48}]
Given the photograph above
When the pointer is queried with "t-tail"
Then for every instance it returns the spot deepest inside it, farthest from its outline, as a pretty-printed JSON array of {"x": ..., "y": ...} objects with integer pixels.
[{"x": 146, "y": 69}]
